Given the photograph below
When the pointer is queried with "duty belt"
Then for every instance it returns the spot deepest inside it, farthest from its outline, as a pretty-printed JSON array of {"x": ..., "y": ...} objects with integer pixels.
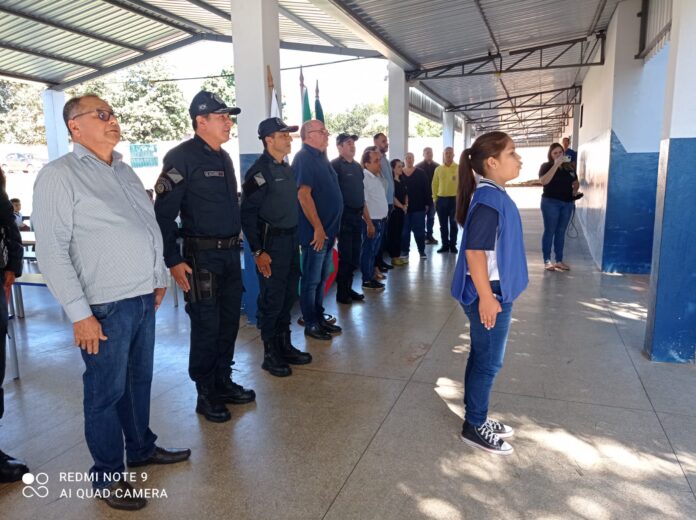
[
  {"x": 274, "y": 232},
  {"x": 206, "y": 244}
]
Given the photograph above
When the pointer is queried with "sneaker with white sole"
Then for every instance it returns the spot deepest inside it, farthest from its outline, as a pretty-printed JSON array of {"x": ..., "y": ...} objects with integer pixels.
[
  {"x": 483, "y": 438},
  {"x": 501, "y": 430}
]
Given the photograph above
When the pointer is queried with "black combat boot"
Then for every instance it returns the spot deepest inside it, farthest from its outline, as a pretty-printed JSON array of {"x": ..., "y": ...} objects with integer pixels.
[
  {"x": 210, "y": 405},
  {"x": 273, "y": 360},
  {"x": 290, "y": 354},
  {"x": 232, "y": 393}
]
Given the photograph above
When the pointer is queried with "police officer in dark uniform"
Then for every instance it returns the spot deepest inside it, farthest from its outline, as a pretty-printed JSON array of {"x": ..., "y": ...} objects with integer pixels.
[
  {"x": 350, "y": 180},
  {"x": 269, "y": 220},
  {"x": 199, "y": 184}
]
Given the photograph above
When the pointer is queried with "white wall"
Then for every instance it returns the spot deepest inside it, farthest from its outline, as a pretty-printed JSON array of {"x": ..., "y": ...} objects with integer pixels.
[
  {"x": 639, "y": 88},
  {"x": 598, "y": 92}
]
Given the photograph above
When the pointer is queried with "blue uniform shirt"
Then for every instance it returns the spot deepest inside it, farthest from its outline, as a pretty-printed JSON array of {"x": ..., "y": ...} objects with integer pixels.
[
  {"x": 312, "y": 168},
  {"x": 199, "y": 184}
]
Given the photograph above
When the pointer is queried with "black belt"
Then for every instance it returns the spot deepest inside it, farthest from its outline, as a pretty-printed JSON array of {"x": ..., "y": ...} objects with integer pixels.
[
  {"x": 275, "y": 232},
  {"x": 354, "y": 211},
  {"x": 205, "y": 244}
]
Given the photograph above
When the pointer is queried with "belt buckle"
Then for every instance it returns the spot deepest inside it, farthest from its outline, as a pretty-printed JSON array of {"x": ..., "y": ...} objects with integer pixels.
[{"x": 219, "y": 244}]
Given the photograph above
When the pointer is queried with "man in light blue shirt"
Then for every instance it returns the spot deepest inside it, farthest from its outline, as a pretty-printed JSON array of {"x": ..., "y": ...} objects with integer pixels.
[
  {"x": 382, "y": 144},
  {"x": 99, "y": 249}
]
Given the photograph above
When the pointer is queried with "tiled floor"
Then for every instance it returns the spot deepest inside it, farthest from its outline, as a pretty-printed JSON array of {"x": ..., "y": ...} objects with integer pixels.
[{"x": 370, "y": 429}]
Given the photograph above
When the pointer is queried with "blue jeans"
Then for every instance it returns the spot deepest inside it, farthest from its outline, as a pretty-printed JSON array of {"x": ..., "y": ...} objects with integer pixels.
[
  {"x": 556, "y": 215},
  {"x": 370, "y": 249},
  {"x": 429, "y": 220},
  {"x": 485, "y": 359},
  {"x": 117, "y": 384},
  {"x": 414, "y": 222},
  {"x": 316, "y": 267}
]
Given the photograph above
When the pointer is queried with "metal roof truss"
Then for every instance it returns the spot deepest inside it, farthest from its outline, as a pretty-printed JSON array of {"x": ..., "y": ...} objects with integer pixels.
[
  {"x": 547, "y": 98},
  {"x": 541, "y": 57}
]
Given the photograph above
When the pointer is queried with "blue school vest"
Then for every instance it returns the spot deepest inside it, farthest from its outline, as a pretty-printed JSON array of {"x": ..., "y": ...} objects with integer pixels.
[{"x": 510, "y": 252}]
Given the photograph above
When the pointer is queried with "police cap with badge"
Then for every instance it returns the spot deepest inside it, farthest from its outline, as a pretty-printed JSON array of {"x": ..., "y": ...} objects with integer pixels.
[{"x": 202, "y": 104}]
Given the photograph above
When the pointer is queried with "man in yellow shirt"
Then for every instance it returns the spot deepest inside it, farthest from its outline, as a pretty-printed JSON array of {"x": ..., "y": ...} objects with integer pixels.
[{"x": 445, "y": 180}]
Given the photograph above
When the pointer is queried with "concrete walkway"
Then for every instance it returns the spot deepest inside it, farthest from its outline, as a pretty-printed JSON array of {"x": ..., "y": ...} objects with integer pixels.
[{"x": 370, "y": 430}]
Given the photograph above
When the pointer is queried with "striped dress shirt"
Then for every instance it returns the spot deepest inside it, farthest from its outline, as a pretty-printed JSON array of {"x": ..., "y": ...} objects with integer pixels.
[{"x": 97, "y": 239}]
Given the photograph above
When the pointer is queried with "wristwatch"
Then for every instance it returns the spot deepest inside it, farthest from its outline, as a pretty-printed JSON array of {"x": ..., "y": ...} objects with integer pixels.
[{"x": 259, "y": 253}]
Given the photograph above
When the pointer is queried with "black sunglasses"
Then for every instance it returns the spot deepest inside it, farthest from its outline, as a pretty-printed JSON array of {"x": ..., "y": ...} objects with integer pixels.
[{"x": 103, "y": 115}]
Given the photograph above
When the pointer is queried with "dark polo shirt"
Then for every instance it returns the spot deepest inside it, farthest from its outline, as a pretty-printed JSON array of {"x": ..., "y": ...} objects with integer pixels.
[
  {"x": 350, "y": 180},
  {"x": 312, "y": 168}
]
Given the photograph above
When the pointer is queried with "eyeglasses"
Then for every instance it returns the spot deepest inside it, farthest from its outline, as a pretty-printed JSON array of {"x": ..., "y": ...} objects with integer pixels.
[
  {"x": 322, "y": 131},
  {"x": 103, "y": 115}
]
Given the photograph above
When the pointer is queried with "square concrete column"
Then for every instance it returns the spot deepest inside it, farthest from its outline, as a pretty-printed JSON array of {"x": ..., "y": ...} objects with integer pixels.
[
  {"x": 256, "y": 47},
  {"x": 56, "y": 132},
  {"x": 447, "y": 129},
  {"x": 671, "y": 325},
  {"x": 398, "y": 112},
  {"x": 468, "y": 133}
]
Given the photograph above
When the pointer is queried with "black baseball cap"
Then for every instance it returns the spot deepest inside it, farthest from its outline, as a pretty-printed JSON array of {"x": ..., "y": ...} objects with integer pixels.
[
  {"x": 274, "y": 124},
  {"x": 340, "y": 138},
  {"x": 208, "y": 103}
]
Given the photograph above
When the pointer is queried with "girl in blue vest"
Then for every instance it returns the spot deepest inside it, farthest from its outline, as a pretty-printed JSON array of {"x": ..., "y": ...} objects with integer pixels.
[{"x": 491, "y": 273}]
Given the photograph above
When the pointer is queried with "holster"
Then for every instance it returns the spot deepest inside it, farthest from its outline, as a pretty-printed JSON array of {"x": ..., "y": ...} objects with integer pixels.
[{"x": 203, "y": 283}]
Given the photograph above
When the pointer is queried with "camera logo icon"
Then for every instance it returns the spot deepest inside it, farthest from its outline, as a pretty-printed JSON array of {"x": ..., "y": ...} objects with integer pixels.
[{"x": 35, "y": 485}]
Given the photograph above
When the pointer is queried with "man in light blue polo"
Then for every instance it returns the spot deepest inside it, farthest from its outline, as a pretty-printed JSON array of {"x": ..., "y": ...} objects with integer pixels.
[{"x": 100, "y": 250}]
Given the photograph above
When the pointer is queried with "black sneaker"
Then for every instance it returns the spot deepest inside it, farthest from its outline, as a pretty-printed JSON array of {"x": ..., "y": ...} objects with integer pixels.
[
  {"x": 501, "y": 430},
  {"x": 482, "y": 437},
  {"x": 423, "y": 256},
  {"x": 373, "y": 285},
  {"x": 356, "y": 296},
  {"x": 454, "y": 250},
  {"x": 443, "y": 249}
]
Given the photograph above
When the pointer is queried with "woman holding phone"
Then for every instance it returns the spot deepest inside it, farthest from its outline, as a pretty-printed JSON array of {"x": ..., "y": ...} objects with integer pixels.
[{"x": 560, "y": 182}]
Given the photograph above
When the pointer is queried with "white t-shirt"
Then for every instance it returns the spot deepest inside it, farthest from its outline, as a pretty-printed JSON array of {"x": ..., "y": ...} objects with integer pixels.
[
  {"x": 375, "y": 196},
  {"x": 491, "y": 258}
]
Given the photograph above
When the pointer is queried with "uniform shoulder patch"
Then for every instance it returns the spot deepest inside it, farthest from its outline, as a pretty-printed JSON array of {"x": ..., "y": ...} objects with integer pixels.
[
  {"x": 167, "y": 181},
  {"x": 253, "y": 182},
  {"x": 174, "y": 175}
]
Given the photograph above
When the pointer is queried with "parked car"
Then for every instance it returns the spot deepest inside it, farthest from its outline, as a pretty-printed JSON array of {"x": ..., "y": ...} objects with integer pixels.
[{"x": 21, "y": 162}]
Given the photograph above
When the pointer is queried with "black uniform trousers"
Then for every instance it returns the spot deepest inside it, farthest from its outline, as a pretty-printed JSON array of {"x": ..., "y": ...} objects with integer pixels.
[
  {"x": 349, "y": 247},
  {"x": 215, "y": 322},
  {"x": 3, "y": 344},
  {"x": 279, "y": 292},
  {"x": 395, "y": 231}
]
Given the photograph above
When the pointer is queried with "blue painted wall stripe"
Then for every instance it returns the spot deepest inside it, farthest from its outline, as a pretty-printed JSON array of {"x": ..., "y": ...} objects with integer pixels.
[
  {"x": 671, "y": 326},
  {"x": 630, "y": 214}
]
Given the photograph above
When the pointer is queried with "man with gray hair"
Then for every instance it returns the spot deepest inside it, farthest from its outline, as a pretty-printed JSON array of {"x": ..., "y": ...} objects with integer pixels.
[
  {"x": 321, "y": 206},
  {"x": 100, "y": 251}
]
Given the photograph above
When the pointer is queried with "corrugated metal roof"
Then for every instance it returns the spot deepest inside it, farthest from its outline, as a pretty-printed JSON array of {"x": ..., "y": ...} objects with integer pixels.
[
  {"x": 92, "y": 35},
  {"x": 442, "y": 32}
]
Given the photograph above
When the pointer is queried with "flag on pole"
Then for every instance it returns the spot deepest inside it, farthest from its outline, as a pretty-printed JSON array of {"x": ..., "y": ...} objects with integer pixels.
[
  {"x": 274, "y": 110},
  {"x": 318, "y": 111},
  {"x": 306, "y": 111}
]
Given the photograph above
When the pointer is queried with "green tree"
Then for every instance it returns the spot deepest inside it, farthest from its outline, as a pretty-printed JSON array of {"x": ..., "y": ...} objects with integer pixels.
[
  {"x": 21, "y": 113},
  {"x": 223, "y": 86},
  {"x": 364, "y": 119},
  {"x": 426, "y": 127},
  {"x": 148, "y": 108}
]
